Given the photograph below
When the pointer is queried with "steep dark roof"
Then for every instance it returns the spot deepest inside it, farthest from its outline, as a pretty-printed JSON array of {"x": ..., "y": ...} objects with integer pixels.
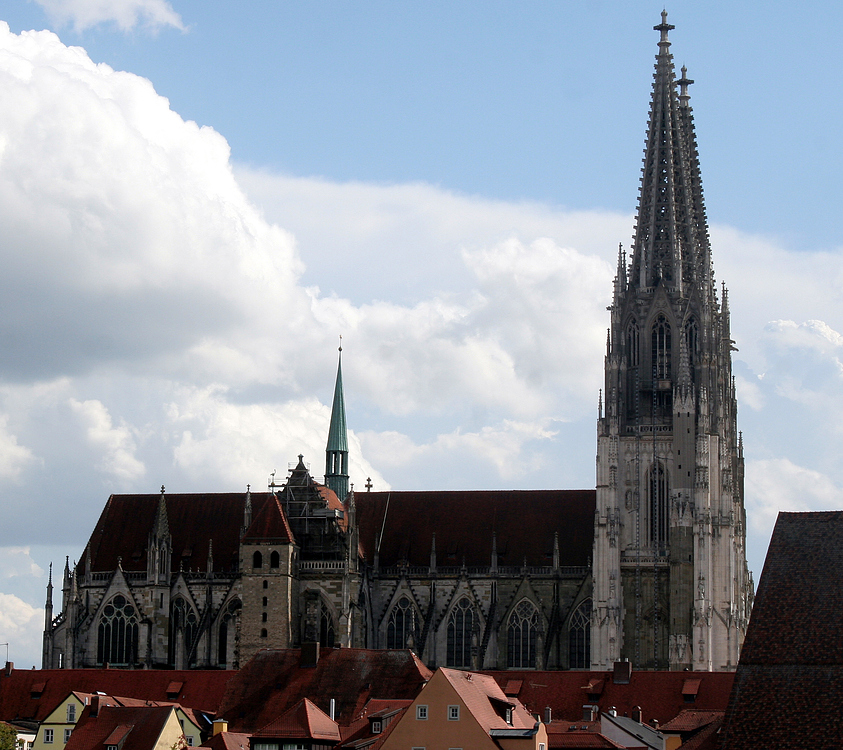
[
  {"x": 304, "y": 720},
  {"x": 524, "y": 522},
  {"x": 199, "y": 689},
  {"x": 791, "y": 665},
  {"x": 270, "y": 524},
  {"x": 194, "y": 519},
  {"x": 273, "y": 681},
  {"x": 659, "y": 694},
  {"x": 138, "y": 727}
]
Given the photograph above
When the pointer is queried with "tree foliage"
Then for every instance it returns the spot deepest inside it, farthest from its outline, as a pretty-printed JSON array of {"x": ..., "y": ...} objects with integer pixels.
[{"x": 8, "y": 737}]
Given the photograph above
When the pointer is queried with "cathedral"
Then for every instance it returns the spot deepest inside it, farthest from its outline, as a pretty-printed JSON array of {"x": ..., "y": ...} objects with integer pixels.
[{"x": 649, "y": 567}]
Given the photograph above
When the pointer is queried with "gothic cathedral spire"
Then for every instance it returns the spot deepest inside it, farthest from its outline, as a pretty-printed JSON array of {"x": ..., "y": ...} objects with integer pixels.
[
  {"x": 336, "y": 451},
  {"x": 671, "y": 586}
]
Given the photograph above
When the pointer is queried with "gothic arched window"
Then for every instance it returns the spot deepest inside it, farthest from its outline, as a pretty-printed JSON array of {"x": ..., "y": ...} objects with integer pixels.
[
  {"x": 460, "y": 629},
  {"x": 117, "y": 633},
  {"x": 659, "y": 508},
  {"x": 326, "y": 627},
  {"x": 579, "y": 637},
  {"x": 692, "y": 341},
  {"x": 401, "y": 624},
  {"x": 228, "y": 621},
  {"x": 661, "y": 348},
  {"x": 632, "y": 345},
  {"x": 182, "y": 619},
  {"x": 274, "y": 559},
  {"x": 257, "y": 560},
  {"x": 521, "y": 636}
]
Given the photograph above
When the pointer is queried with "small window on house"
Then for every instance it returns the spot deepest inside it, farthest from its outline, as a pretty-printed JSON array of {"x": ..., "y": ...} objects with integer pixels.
[
  {"x": 71, "y": 713},
  {"x": 67, "y": 735},
  {"x": 263, "y": 633},
  {"x": 189, "y": 738},
  {"x": 421, "y": 713},
  {"x": 453, "y": 713},
  {"x": 274, "y": 559},
  {"x": 48, "y": 736},
  {"x": 377, "y": 726}
]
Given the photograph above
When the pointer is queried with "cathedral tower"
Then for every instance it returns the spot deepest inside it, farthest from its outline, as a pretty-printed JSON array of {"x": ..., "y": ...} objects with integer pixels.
[
  {"x": 336, "y": 451},
  {"x": 671, "y": 585}
]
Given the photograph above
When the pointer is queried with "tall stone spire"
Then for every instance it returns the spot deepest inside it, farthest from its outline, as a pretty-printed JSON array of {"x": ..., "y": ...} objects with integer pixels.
[
  {"x": 670, "y": 578},
  {"x": 336, "y": 451}
]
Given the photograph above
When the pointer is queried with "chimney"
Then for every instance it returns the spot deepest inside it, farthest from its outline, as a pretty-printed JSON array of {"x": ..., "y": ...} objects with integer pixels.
[
  {"x": 588, "y": 712},
  {"x": 332, "y": 711},
  {"x": 655, "y": 724},
  {"x": 10, "y": 667},
  {"x": 622, "y": 672},
  {"x": 95, "y": 706},
  {"x": 220, "y": 725},
  {"x": 612, "y": 711},
  {"x": 636, "y": 713},
  {"x": 548, "y": 715},
  {"x": 309, "y": 654}
]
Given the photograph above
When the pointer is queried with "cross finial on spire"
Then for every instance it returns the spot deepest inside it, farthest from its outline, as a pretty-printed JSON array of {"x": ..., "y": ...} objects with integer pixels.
[
  {"x": 162, "y": 489},
  {"x": 340, "y": 349},
  {"x": 664, "y": 27}
]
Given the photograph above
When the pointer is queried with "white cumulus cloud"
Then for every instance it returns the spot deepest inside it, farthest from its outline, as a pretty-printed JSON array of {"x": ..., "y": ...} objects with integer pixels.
[{"x": 125, "y": 14}]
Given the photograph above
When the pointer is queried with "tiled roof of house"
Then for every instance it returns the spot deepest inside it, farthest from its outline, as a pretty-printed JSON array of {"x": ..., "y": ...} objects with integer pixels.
[
  {"x": 270, "y": 524},
  {"x": 482, "y": 697},
  {"x": 791, "y": 665},
  {"x": 561, "y": 735},
  {"x": 708, "y": 738},
  {"x": 659, "y": 694},
  {"x": 21, "y": 701},
  {"x": 524, "y": 522},
  {"x": 302, "y": 721},
  {"x": 137, "y": 727},
  {"x": 228, "y": 741},
  {"x": 273, "y": 681},
  {"x": 691, "y": 719},
  {"x": 126, "y": 520}
]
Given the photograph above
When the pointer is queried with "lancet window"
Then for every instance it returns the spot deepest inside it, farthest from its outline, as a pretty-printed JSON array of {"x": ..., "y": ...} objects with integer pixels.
[
  {"x": 117, "y": 633},
  {"x": 257, "y": 560},
  {"x": 460, "y": 628},
  {"x": 692, "y": 341},
  {"x": 659, "y": 508},
  {"x": 182, "y": 621},
  {"x": 579, "y": 637},
  {"x": 661, "y": 349},
  {"x": 522, "y": 636},
  {"x": 401, "y": 624},
  {"x": 633, "y": 347},
  {"x": 326, "y": 626},
  {"x": 227, "y": 625}
]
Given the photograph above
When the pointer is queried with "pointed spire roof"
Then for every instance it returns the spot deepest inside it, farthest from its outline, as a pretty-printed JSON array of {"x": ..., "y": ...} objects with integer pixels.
[
  {"x": 671, "y": 236},
  {"x": 270, "y": 525},
  {"x": 162, "y": 524},
  {"x": 338, "y": 431},
  {"x": 304, "y": 720}
]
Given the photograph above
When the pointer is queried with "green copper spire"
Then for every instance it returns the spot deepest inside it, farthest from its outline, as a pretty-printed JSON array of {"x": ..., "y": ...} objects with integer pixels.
[{"x": 336, "y": 452}]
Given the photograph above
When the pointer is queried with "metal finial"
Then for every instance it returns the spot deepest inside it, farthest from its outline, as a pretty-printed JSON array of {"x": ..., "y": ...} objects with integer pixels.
[
  {"x": 340, "y": 349},
  {"x": 162, "y": 489}
]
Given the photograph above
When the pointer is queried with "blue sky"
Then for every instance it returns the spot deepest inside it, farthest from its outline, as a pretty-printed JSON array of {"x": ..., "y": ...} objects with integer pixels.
[{"x": 445, "y": 185}]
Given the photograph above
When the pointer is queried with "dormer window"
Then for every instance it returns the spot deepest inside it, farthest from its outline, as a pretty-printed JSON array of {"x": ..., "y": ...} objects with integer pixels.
[{"x": 377, "y": 726}]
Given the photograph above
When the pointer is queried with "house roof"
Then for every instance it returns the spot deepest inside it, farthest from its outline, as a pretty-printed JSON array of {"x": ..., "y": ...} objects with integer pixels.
[
  {"x": 228, "y": 741},
  {"x": 791, "y": 664},
  {"x": 691, "y": 719},
  {"x": 273, "y": 681},
  {"x": 572, "y": 736},
  {"x": 270, "y": 524},
  {"x": 137, "y": 727},
  {"x": 199, "y": 689},
  {"x": 194, "y": 519},
  {"x": 523, "y": 521},
  {"x": 659, "y": 694},
  {"x": 483, "y": 696},
  {"x": 304, "y": 720}
]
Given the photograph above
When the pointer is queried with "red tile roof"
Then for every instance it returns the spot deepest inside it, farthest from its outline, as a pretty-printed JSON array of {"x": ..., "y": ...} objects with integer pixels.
[
  {"x": 228, "y": 741},
  {"x": 194, "y": 519},
  {"x": 273, "y": 681},
  {"x": 201, "y": 689},
  {"x": 302, "y": 721},
  {"x": 139, "y": 727},
  {"x": 791, "y": 667},
  {"x": 482, "y": 696},
  {"x": 691, "y": 719},
  {"x": 658, "y": 693},
  {"x": 270, "y": 524},
  {"x": 524, "y": 520}
]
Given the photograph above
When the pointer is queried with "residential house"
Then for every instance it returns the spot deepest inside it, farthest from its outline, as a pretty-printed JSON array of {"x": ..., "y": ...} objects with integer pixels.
[
  {"x": 466, "y": 710},
  {"x": 126, "y": 728}
]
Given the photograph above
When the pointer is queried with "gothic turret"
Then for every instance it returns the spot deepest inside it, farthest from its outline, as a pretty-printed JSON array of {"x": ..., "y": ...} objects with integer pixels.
[
  {"x": 670, "y": 514},
  {"x": 336, "y": 451}
]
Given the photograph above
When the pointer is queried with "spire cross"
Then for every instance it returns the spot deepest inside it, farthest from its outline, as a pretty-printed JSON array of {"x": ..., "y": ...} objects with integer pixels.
[
  {"x": 368, "y": 484},
  {"x": 340, "y": 349},
  {"x": 664, "y": 27}
]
